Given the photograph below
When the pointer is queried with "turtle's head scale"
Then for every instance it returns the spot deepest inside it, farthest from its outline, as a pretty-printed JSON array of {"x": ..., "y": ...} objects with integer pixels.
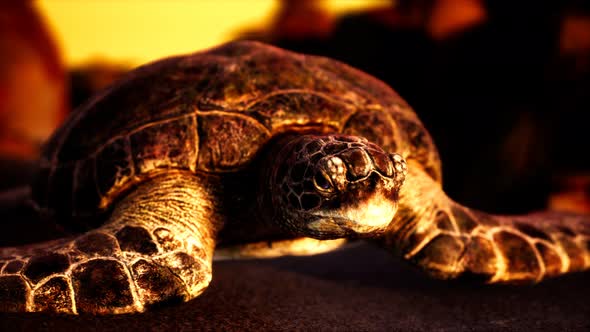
[{"x": 333, "y": 186}]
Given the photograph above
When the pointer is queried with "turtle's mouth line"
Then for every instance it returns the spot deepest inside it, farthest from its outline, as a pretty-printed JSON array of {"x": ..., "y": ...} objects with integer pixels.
[{"x": 339, "y": 226}]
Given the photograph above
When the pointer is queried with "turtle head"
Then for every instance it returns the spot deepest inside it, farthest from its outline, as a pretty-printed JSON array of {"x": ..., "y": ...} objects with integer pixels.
[{"x": 334, "y": 186}]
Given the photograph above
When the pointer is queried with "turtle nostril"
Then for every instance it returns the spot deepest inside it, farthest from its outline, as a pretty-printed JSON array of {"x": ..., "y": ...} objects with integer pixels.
[{"x": 399, "y": 165}]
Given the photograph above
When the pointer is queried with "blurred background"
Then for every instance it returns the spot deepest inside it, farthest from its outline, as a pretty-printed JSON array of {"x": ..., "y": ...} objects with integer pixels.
[{"x": 503, "y": 86}]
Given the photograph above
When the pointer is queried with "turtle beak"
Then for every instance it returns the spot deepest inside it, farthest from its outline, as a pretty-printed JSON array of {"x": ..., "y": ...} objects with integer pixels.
[{"x": 368, "y": 219}]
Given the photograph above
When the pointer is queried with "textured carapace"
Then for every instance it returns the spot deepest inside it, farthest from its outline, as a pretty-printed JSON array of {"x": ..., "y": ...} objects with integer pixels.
[
  {"x": 235, "y": 145},
  {"x": 213, "y": 111}
]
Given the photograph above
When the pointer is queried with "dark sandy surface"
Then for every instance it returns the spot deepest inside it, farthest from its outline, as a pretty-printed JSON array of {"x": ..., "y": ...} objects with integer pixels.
[{"x": 356, "y": 289}]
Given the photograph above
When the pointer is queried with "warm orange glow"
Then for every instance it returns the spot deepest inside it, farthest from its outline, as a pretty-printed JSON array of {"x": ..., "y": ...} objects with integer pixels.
[{"x": 137, "y": 31}]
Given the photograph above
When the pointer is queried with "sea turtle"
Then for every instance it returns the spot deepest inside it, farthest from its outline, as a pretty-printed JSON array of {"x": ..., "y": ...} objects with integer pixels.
[{"x": 256, "y": 150}]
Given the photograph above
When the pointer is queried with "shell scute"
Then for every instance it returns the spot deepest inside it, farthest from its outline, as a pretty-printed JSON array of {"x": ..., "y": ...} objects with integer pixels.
[
  {"x": 376, "y": 126},
  {"x": 142, "y": 99},
  {"x": 169, "y": 144},
  {"x": 292, "y": 108},
  {"x": 227, "y": 141}
]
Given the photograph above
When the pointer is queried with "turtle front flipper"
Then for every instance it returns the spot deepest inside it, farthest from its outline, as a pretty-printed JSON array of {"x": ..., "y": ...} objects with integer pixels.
[
  {"x": 450, "y": 241},
  {"x": 156, "y": 247}
]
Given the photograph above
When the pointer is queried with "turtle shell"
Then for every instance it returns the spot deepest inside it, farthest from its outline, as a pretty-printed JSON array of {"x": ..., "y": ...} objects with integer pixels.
[{"x": 212, "y": 111}]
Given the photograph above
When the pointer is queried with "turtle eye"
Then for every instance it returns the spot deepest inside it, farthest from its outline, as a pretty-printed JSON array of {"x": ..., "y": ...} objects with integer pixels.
[{"x": 322, "y": 182}]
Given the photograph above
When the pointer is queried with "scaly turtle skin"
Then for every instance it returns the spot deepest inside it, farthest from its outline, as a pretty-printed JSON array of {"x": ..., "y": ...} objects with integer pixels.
[{"x": 247, "y": 144}]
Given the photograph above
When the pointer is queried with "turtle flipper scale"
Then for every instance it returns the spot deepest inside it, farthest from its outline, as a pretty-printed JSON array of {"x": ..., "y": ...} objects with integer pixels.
[
  {"x": 451, "y": 241},
  {"x": 156, "y": 247}
]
